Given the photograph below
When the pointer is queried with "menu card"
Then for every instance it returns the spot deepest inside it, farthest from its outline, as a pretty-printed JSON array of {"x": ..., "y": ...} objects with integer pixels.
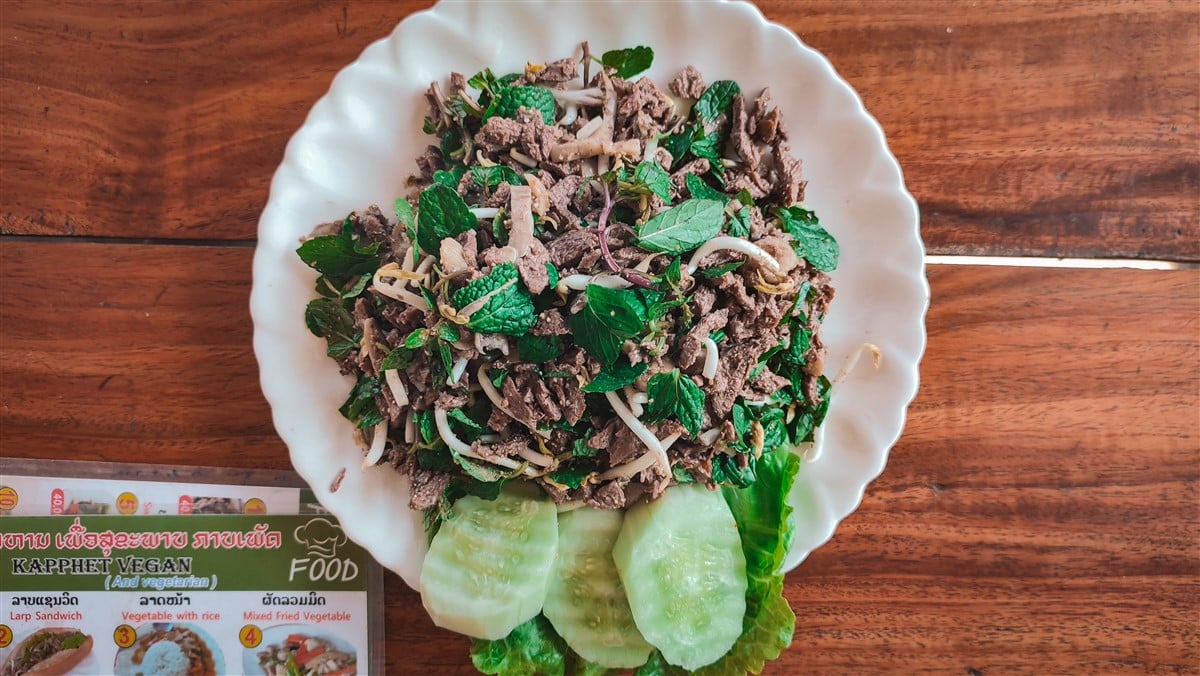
[{"x": 158, "y": 577}]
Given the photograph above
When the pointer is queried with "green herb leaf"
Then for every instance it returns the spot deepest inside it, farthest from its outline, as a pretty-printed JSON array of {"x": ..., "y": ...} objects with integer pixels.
[
  {"x": 492, "y": 177},
  {"x": 727, "y": 472},
  {"x": 682, "y": 228},
  {"x": 608, "y": 319},
  {"x": 329, "y": 318},
  {"x": 699, "y": 189},
  {"x": 580, "y": 449},
  {"x": 498, "y": 378},
  {"x": 441, "y": 213},
  {"x": 708, "y": 146},
  {"x": 655, "y": 178},
  {"x": 539, "y": 349},
  {"x": 535, "y": 98},
  {"x": 673, "y": 394},
  {"x": 360, "y": 407},
  {"x": 449, "y": 179},
  {"x": 682, "y": 475},
  {"x": 398, "y": 359},
  {"x": 718, "y": 270},
  {"x": 677, "y": 145},
  {"x": 809, "y": 239},
  {"x": 628, "y": 62},
  {"x": 739, "y": 225},
  {"x": 573, "y": 474},
  {"x": 616, "y": 376},
  {"x": 715, "y": 101},
  {"x": 340, "y": 256},
  {"x": 508, "y": 308}
]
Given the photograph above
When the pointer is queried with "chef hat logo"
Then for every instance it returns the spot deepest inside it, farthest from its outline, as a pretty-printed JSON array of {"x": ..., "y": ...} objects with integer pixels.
[{"x": 321, "y": 537}]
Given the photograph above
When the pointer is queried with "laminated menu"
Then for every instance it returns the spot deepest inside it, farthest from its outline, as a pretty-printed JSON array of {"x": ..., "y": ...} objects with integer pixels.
[{"x": 119, "y": 576}]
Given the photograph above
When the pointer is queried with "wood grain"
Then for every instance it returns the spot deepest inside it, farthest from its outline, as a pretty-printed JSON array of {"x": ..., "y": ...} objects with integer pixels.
[
  {"x": 1024, "y": 128},
  {"x": 1040, "y": 515}
]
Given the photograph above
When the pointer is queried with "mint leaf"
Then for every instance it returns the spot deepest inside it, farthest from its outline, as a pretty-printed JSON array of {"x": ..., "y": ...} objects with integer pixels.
[
  {"x": 715, "y": 100},
  {"x": 655, "y": 178},
  {"x": 628, "y": 62},
  {"x": 739, "y": 225},
  {"x": 682, "y": 228},
  {"x": 399, "y": 359},
  {"x": 708, "y": 146},
  {"x": 718, "y": 270},
  {"x": 329, "y": 318},
  {"x": 340, "y": 256},
  {"x": 539, "y": 349},
  {"x": 677, "y": 144},
  {"x": 360, "y": 407},
  {"x": 673, "y": 394},
  {"x": 616, "y": 376},
  {"x": 508, "y": 307},
  {"x": 492, "y": 177},
  {"x": 450, "y": 178},
  {"x": 441, "y": 213},
  {"x": 531, "y": 648},
  {"x": 512, "y": 99},
  {"x": 608, "y": 319},
  {"x": 699, "y": 189},
  {"x": 809, "y": 239},
  {"x": 572, "y": 475}
]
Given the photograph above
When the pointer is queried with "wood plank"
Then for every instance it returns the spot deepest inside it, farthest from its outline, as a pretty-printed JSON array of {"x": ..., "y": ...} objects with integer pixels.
[
  {"x": 1042, "y": 508},
  {"x": 1024, "y": 128}
]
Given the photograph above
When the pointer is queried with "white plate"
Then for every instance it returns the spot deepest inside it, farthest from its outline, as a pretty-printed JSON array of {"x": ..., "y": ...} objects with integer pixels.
[{"x": 360, "y": 142}]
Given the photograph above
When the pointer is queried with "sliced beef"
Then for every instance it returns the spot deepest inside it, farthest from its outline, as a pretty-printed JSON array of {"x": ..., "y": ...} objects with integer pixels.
[
  {"x": 736, "y": 363},
  {"x": 611, "y": 495},
  {"x": 427, "y": 488},
  {"x": 498, "y": 135},
  {"x": 697, "y": 166},
  {"x": 429, "y": 161},
  {"x": 507, "y": 448},
  {"x": 739, "y": 136},
  {"x": 790, "y": 188},
  {"x": 688, "y": 84},
  {"x": 537, "y": 138},
  {"x": 692, "y": 344},
  {"x": 555, "y": 72},
  {"x": 532, "y": 267},
  {"x": 562, "y": 193},
  {"x": 551, "y": 323},
  {"x": 569, "y": 397},
  {"x": 569, "y": 248}
]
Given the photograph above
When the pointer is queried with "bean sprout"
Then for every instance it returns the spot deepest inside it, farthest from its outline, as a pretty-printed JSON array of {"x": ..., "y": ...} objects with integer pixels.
[{"x": 734, "y": 244}]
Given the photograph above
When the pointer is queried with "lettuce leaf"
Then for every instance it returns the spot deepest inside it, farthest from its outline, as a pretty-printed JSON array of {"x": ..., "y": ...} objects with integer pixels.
[
  {"x": 766, "y": 525},
  {"x": 533, "y": 648}
]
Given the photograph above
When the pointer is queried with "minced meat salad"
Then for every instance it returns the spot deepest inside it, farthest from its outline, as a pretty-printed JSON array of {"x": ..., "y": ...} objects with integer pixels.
[{"x": 595, "y": 286}]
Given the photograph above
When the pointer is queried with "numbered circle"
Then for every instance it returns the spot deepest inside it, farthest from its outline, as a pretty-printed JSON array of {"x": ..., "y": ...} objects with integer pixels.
[
  {"x": 127, "y": 503},
  {"x": 250, "y": 636},
  {"x": 255, "y": 506},
  {"x": 5, "y": 635},
  {"x": 124, "y": 636},
  {"x": 8, "y": 498}
]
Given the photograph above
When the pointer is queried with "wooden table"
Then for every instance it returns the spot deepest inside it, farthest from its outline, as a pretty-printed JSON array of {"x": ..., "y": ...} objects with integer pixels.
[{"x": 1040, "y": 513}]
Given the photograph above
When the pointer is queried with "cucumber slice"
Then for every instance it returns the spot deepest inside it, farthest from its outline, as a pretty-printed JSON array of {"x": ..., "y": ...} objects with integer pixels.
[
  {"x": 489, "y": 564},
  {"x": 680, "y": 558},
  {"x": 586, "y": 602}
]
